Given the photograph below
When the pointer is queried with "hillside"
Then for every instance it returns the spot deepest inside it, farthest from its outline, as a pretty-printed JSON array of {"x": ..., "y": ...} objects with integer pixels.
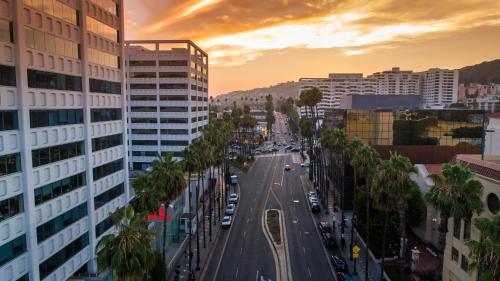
[
  {"x": 483, "y": 73},
  {"x": 257, "y": 95}
]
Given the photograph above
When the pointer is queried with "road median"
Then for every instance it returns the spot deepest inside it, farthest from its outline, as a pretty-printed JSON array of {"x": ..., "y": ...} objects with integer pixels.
[{"x": 273, "y": 225}]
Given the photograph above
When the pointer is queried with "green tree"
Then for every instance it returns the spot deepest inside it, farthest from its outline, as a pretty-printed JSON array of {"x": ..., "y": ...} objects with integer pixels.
[
  {"x": 127, "y": 253},
  {"x": 485, "y": 253},
  {"x": 203, "y": 150},
  {"x": 169, "y": 183},
  {"x": 455, "y": 194},
  {"x": 353, "y": 148},
  {"x": 191, "y": 163},
  {"x": 145, "y": 194},
  {"x": 270, "y": 119}
]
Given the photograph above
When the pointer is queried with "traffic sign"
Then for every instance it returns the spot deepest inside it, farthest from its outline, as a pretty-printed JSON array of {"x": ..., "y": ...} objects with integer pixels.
[{"x": 355, "y": 251}]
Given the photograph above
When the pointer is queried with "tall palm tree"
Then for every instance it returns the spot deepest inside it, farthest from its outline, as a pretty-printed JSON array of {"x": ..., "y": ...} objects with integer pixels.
[
  {"x": 169, "y": 183},
  {"x": 203, "y": 150},
  {"x": 455, "y": 194},
  {"x": 397, "y": 178},
  {"x": 191, "y": 164},
  {"x": 367, "y": 160},
  {"x": 351, "y": 154},
  {"x": 146, "y": 198},
  {"x": 127, "y": 252},
  {"x": 384, "y": 200},
  {"x": 485, "y": 253}
]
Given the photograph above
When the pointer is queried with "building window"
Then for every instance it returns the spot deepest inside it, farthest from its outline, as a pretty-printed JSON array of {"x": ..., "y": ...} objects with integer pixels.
[
  {"x": 144, "y": 131},
  {"x": 143, "y": 98},
  {"x": 173, "y": 74},
  {"x": 173, "y": 63},
  {"x": 7, "y": 75},
  {"x": 173, "y": 86},
  {"x": 142, "y": 75},
  {"x": 106, "y": 142},
  {"x": 56, "y": 9},
  {"x": 456, "y": 228},
  {"x": 174, "y": 120},
  {"x": 6, "y": 31},
  {"x": 145, "y": 153},
  {"x": 56, "y": 153},
  {"x": 12, "y": 249},
  {"x": 105, "y": 114},
  {"x": 173, "y": 98},
  {"x": 175, "y": 143},
  {"x": 39, "y": 40},
  {"x": 60, "y": 222},
  {"x": 144, "y": 120},
  {"x": 103, "y": 226},
  {"x": 107, "y": 196},
  {"x": 103, "y": 58},
  {"x": 174, "y": 131},
  {"x": 11, "y": 207},
  {"x": 102, "y": 29},
  {"x": 55, "y": 81},
  {"x": 465, "y": 263},
  {"x": 25, "y": 277},
  {"x": 58, "y": 188},
  {"x": 454, "y": 254},
  {"x": 8, "y": 120},
  {"x": 143, "y": 109},
  {"x": 107, "y": 169},
  {"x": 144, "y": 142},
  {"x": 105, "y": 87},
  {"x": 174, "y": 109},
  {"x": 467, "y": 226},
  {"x": 59, "y": 258},
  {"x": 142, "y": 63},
  {"x": 46, "y": 118},
  {"x": 10, "y": 164}
]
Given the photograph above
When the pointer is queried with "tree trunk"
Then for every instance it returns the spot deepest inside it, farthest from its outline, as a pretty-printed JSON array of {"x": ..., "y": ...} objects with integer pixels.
[
  {"x": 402, "y": 231},
  {"x": 443, "y": 231},
  {"x": 386, "y": 218},
  {"x": 368, "y": 193},
  {"x": 353, "y": 209},
  {"x": 203, "y": 207},
  {"x": 165, "y": 232},
  {"x": 197, "y": 224},
  {"x": 190, "y": 220}
]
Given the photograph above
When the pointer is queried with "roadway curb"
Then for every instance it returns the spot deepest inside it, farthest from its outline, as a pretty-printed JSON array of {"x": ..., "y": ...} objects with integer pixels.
[
  {"x": 279, "y": 251},
  {"x": 287, "y": 252}
]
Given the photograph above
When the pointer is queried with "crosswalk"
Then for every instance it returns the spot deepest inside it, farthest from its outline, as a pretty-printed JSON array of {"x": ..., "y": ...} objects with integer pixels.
[{"x": 296, "y": 158}]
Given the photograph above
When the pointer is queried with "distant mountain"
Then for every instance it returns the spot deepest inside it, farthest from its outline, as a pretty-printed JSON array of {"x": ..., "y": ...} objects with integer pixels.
[
  {"x": 484, "y": 73},
  {"x": 258, "y": 95}
]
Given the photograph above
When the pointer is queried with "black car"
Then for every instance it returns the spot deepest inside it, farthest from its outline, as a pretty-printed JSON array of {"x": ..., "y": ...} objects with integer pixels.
[
  {"x": 295, "y": 149},
  {"x": 324, "y": 227},
  {"x": 329, "y": 239},
  {"x": 338, "y": 263},
  {"x": 315, "y": 208}
]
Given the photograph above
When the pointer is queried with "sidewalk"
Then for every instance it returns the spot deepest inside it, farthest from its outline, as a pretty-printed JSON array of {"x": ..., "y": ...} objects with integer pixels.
[{"x": 335, "y": 218}]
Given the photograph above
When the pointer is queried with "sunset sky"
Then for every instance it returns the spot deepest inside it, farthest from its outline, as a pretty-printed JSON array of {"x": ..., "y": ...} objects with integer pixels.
[{"x": 254, "y": 43}]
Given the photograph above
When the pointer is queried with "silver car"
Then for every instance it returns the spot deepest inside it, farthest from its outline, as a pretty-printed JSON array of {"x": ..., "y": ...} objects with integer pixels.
[
  {"x": 230, "y": 209},
  {"x": 233, "y": 198}
]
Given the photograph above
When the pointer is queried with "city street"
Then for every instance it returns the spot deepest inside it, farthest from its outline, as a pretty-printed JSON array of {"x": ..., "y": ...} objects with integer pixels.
[{"x": 242, "y": 251}]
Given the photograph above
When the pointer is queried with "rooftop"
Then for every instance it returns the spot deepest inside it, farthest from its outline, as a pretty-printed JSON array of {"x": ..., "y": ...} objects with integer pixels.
[{"x": 489, "y": 167}]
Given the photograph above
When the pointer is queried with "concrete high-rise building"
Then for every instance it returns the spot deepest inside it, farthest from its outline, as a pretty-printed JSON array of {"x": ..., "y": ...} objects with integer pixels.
[
  {"x": 439, "y": 87},
  {"x": 396, "y": 82},
  {"x": 62, "y": 134},
  {"x": 167, "y": 93}
]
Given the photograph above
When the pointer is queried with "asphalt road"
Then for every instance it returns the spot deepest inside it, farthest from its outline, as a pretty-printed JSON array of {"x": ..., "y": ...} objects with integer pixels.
[{"x": 242, "y": 252}]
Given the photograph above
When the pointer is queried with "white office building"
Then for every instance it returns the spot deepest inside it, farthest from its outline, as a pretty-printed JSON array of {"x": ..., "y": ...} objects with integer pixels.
[
  {"x": 167, "y": 93},
  {"x": 439, "y": 88},
  {"x": 396, "y": 82},
  {"x": 62, "y": 134}
]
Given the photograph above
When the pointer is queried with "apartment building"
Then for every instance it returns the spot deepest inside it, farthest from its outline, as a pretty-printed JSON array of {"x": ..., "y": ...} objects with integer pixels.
[
  {"x": 62, "y": 134},
  {"x": 167, "y": 93},
  {"x": 396, "y": 82},
  {"x": 439, "y": 88}
]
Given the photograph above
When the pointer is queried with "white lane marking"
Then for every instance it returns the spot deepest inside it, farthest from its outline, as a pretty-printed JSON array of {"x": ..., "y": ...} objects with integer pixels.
[
  {"x": 236, "y": 276},
  {"x": 309, "y": 270},
  {"x": 257, "y": 276},
  {"x": 244, "y": 233},
  {"x": 241, "y": 251},
  {"x": 295, "y": 201},
  {"x": 304, "y": 249},
  {"x": 248, "y": 219},
  {"x": 295, "y": 221}
]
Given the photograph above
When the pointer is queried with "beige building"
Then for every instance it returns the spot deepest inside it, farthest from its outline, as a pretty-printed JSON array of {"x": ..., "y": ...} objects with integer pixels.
[{"x": 456, "y": 255}]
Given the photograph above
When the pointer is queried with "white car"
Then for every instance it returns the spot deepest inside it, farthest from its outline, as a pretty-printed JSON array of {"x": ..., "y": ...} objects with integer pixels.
[
  {"x": 313, "y": 199},
  {"x": 304, "y": 164},
  {"x": 230, "y": 209},
  {"x": 233, "y": 198},
  {"x": 226, "y": 221},
  {"x": 312, "y": 194}
]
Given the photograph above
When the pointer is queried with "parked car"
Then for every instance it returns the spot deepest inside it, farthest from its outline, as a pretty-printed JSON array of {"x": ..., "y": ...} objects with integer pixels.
[
  {"x": 311, "y": 194},
  {"x": 344, "y": 276},
  {"x": 324, "y": 227},
  {"x": 234, "y": 179},
  {"x": 338, "y": 263},
  {"x": 315, "y": 208},
  {"x": 304, "y": 164},
  {"x": 230, "y": 209},
  {"x": 287, "y": 167},
  {"x": 226, "y": 221},
  {"x": 288, "y": 147},
  {"x": 313, "y": 199},
  {"x": 329, "y": 239},
  {"x": 295, "y": 149},
  {"x": 233, "y": 198}
]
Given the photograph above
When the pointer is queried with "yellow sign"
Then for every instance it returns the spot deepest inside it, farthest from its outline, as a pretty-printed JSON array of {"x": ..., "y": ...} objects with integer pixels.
[{"x": 355, "y": 251}]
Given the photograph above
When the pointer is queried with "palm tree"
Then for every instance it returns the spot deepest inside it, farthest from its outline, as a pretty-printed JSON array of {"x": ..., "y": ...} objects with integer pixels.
[
  {"x": 401, "y": 187},
  {"x": 351, "y": 154},
  {"x": 169, "y": 183},
  {"x": 146, "y": 199},
  {"x": 191, "y": 164},
  {"x": 455, "y": 194},
  {"x": 384, "y": 201},
  {"x": 203, "y": 150},
  {"x": 127, "y": 252},
  {"x": 485, "y": 253},
  {"x": 368, "y": 160},
  {"x": 310, "y": 98}
]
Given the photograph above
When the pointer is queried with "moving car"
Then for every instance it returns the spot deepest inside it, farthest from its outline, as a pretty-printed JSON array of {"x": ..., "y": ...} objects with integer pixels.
[
  {"x": 288, "y": 147},
  {"x": 287, "y": 167},
  {"x": 315, "y": 208},
  {"x": 234, "y": 179},
  {"x": 230, "y": 209},
  {"x": 338, "y": 263},
  {"x": 313, "y": 199},
  {"x": 295, "y": 149},
  {"x": 233, "y": 198},
  {"x": 226, "y": 221}
]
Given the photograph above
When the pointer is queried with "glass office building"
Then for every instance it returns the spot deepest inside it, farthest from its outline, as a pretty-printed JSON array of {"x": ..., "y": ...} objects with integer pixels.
[{"x": 62, "y": 135}]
